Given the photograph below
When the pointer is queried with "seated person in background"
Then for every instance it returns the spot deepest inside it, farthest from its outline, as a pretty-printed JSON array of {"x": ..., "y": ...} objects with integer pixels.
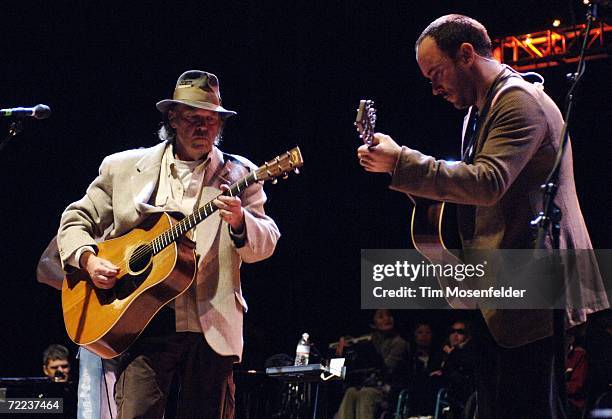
[
  {"x": 457, "y": 373},
  {"x": 385, "y": 373},
  {"x": 425, "y": 360},
  {"x": 56, "y": 364},
  {"x": 599, "y": 381},
  {"x": 575, "y": 377}
]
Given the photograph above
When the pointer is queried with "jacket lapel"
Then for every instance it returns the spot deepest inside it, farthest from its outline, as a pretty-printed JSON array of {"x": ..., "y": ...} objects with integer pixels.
[{"x": 145, "y": 179}]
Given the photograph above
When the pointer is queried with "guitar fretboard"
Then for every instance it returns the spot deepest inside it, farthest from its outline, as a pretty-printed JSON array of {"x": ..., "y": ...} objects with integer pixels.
[{"x": 179, "y": 229}]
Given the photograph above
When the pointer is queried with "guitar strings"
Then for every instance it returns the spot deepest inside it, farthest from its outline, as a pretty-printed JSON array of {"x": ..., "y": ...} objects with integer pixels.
[{"x": 145, "y": 251}]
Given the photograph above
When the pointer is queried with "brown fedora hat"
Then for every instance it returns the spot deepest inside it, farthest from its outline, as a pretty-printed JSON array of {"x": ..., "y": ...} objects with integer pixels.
[{"x": 198, "y": 89}]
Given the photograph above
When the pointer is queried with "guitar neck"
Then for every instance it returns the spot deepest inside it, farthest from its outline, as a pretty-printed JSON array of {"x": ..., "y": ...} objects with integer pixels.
[{"x": 179, "y": 229}]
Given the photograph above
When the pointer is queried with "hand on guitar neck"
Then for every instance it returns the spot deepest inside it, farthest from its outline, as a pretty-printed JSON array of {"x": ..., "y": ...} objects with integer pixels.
[
  {"x": 230, "y": 210},
  {"x": 102, "y": 273},
  {"x": 381, "y": 156},
  {"x": 379, "y": 153}
]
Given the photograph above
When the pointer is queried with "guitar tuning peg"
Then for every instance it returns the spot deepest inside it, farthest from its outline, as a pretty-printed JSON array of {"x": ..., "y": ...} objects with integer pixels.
[
  {"x": 285, "y": 175},
  {"x": 274, "y": 181},
  {"x": 296, "y": 171}
]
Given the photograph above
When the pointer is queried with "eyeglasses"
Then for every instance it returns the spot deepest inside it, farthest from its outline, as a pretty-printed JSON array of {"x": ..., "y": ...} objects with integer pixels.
[{"x": 458, "y": 331}]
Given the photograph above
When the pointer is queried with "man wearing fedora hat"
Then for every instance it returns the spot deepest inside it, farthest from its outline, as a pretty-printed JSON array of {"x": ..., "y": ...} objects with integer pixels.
[{"x": 198, "y": 336}]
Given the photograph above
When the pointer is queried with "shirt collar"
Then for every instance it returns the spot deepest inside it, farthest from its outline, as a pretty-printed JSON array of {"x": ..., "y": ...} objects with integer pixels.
[{"x": 171, "y": 161}]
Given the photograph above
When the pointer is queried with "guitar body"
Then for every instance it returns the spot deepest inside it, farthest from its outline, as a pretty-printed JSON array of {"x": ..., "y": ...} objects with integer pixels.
[
  {"x": 108, "y": 321},
  {"x": 429, "y": 236},
  {"x": 430, "y": 227}
]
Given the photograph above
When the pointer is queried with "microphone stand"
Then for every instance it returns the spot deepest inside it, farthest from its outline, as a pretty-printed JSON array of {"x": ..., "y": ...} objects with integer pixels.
[
  {"x": 548, "y": 220},
  {"x": 15, "y": 128}
]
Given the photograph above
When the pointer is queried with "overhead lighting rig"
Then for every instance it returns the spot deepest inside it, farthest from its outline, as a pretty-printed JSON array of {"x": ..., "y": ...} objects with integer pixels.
[{"x": 555, "y": 46}]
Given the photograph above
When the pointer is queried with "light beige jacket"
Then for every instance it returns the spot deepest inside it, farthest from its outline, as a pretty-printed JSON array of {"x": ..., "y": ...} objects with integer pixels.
[{"x": 121, "y": 197}]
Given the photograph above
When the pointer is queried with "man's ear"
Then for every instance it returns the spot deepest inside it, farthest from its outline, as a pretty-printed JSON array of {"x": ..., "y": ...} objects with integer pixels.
[{"x": 466, "y": 53}]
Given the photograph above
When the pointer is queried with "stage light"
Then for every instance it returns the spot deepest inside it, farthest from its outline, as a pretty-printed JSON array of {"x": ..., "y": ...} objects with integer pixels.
[{"x": 554, "y": 46}]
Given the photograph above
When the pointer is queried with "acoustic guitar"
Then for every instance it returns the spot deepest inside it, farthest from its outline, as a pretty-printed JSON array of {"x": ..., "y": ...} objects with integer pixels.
[
  {"x": 157, "y": 263},
  {"x": 428, "y": 216}
]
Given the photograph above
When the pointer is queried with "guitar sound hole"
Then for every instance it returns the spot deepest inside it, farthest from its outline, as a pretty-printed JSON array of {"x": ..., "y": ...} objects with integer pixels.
[
  {"x": 129, "y": 283},
  {"x": 140, "y": 258}
]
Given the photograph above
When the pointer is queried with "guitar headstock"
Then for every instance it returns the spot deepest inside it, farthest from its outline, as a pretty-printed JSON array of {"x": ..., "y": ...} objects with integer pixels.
[
  {"x": 365, "y": 122},
  {"x": 281, "y": 165}
]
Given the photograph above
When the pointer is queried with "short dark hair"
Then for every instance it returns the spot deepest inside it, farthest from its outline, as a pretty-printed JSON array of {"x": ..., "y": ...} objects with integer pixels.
[
  {"x": 451, "y": 31},
  {"x": 54, "y": 352}
]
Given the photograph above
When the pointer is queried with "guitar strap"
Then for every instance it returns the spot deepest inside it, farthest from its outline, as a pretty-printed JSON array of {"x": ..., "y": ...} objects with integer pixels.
[{"x": 468, "y": 147}]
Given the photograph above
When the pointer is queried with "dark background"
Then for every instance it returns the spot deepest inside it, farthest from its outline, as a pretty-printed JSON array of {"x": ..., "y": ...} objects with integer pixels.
[{"x": 295, "y": 72}]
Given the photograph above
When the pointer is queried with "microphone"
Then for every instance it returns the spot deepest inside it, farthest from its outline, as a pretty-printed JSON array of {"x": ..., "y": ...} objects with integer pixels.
[
  {"x": 38, "y": 112},
  {"x": 59, "y": 376}
]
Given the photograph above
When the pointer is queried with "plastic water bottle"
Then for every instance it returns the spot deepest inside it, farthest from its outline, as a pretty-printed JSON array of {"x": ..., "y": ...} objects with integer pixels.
[{"x": 302, "y": 352}]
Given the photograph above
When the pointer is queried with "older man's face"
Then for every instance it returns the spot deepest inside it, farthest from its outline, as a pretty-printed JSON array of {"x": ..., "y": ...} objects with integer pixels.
[{"x": 196, "y": 131}]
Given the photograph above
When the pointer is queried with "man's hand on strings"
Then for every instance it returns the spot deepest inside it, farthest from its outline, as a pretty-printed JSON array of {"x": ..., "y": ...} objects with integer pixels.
[
  {"x": 101, "y": 271},
  {"x": 230, "y": 210}
]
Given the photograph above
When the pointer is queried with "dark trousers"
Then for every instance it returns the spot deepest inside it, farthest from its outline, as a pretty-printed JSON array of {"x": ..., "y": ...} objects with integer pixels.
[
  {"x": 206, "y": 387},
  {"x": 517, "y": 382}
]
